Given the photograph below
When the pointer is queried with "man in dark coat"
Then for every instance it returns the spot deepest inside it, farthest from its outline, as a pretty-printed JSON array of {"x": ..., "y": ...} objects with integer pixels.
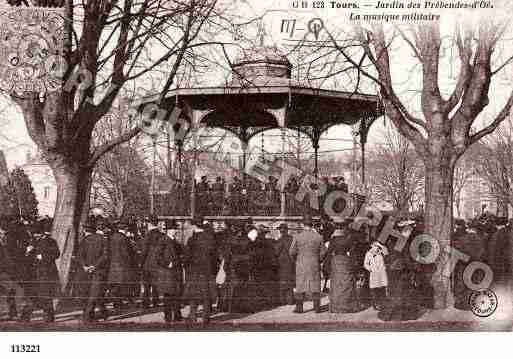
[
  {"x": 9, "y": 274},
  {"x": 134, "y": 286},
  {"x": 263, "y": 271},
  {"x": 200, "y": 259},
  {"x": 18, "y": 239},
  {"x": 169, "y": 278},
  {"x": 237, "y": 270},
  {"x": 41, "y": 256},
  {"x": 150, "y": 267},
  {"x": 499, "y": 254},
  {"x": 286, "y": 266},
  {"x": 94, "y": 256},
  {"x": 327, "y": 229},
  {"x": 120, "y": 270}
]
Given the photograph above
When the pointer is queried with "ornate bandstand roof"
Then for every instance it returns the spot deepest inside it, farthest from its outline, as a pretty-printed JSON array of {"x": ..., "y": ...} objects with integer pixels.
[{"x": 261, "y": 95}]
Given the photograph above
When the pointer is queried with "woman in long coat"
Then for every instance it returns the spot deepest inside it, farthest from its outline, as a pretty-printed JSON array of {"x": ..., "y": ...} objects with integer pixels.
[
  {"x": 401, "y": 303},
  {"x": 150, "y": 268},
  {"x": 287, "y": 267},
  {"x": 169, "y": 277},
  {"x": 342, "y": 281},
  {"x": 263, "y": 266},
  {"x": 200, "y": 260},
  {"x": 237, "y": 262}
]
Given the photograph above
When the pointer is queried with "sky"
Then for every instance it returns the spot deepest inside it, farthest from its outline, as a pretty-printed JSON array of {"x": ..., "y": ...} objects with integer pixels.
[{"x": 15, "y": 141}]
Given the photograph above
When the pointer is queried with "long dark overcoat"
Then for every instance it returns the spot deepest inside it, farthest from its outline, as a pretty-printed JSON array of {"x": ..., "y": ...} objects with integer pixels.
[
  {"x": 500, "y": 256},
  {"x": 169, "y": 277},
  {"x": 151, "y": 251},
  {"x": 286, "y": 264},
  {"x": 93, "y": 251},
  {"x": 120, "y": 269},
  {"x": 41, "y": 264},
  {"x": 200, "y": 259}
]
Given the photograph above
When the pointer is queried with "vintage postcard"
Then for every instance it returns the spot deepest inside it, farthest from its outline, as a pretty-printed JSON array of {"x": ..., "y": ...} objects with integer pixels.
[{"x": 244, "y": 165}]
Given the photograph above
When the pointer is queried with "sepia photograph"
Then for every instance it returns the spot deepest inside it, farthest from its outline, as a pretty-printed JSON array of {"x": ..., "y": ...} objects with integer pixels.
[{"x": 255, "y": 166}]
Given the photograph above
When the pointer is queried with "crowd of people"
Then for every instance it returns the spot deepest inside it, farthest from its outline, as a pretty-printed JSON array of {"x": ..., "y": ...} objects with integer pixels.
[
  {"x": 237, "y": 266},
  {"x": 242, "y": 196}
]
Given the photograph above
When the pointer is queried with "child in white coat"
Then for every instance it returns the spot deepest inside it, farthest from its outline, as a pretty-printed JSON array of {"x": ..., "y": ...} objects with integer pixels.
[{"x": 378, "y": 281}]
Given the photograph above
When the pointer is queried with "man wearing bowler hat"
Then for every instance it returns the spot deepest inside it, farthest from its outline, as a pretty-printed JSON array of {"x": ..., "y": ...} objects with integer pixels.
[
  {"x": 169, "y": 275},
  {"x": 200, "y": 259},
  {"x": 94, "y": 256}
]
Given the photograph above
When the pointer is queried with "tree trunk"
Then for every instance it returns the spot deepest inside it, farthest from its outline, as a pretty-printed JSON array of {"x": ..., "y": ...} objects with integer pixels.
[
  {"x": 438, "y": 221},
  {"x": 73, "y": 188}
]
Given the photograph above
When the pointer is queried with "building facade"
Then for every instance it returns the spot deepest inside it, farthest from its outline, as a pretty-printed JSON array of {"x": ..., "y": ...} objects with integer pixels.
[{"x": 43, "y": 182}]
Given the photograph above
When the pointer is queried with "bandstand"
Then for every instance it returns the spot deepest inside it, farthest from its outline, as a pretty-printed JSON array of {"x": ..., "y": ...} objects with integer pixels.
[{"x": 260, "y": 96}]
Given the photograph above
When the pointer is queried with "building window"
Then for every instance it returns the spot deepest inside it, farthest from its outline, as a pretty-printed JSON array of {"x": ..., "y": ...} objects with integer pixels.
[{"x": 46, "y": 194}]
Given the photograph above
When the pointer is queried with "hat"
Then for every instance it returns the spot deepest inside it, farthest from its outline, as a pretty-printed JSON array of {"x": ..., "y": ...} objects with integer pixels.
[
  {"x": 90, "y": 225},
  {"x": 101, "y": 223},
  {"x": 263, "y": 228},
  {"x": 501, "y": 221},
  {"x": 46, "y": 225},
  {"x": 37, "y": 228},
  {"x": 283, "y": 226},
  {"x": 460, "y": 222},
  {"x": 171, "y": 224},
  {"x": 197, "y": 221},
  {"x": 338, "y": 232},
  {"x": 123, "y": 224},
  {"x": 153, "y": 219}
]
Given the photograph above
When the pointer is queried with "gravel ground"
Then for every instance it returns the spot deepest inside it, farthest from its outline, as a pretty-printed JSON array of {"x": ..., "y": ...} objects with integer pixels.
[{"x": 278, "y": 319}]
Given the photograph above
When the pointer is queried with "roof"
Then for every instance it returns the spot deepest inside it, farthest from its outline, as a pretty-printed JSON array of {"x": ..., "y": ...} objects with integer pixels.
[
  {"x": 261, "y": 54},
  {"x": 288, "y": 86},
  {"x": 261, "y": 94}
]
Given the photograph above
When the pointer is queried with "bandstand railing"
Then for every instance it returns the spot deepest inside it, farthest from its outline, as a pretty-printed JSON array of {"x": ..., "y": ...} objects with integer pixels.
[{"x": 244, "y": 203}]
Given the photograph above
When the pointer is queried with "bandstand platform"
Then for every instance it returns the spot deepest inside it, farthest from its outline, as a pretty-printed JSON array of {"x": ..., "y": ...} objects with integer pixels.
[{"x": 260, "y": 96}]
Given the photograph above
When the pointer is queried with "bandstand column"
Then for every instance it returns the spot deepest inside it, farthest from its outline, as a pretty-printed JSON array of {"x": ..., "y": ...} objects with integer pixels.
[
  {"x": 244, "y": 160},
  {"x": 193, "y": 196},
  {"x": 153, "y": 176},
  {"x": 364, "y": 184},
  {"x": 283, "y": 200},
  {"x": 283, "y": 195},
  {"x": 179, "y": 148},
  {"x": 365, "y": 125},
  {"x": 316, "y": 159}
]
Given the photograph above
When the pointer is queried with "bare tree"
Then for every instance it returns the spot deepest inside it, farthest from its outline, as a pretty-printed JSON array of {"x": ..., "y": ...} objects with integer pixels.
[
  {"x": 396, "y": 172},
  {"x": 463, "y": 173},
  {"x": 120, "y": 178},
  {"x": 495, "y": 166},
  {"x": 111, "y": 44},
  {"x": 445, "y": 125}
]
